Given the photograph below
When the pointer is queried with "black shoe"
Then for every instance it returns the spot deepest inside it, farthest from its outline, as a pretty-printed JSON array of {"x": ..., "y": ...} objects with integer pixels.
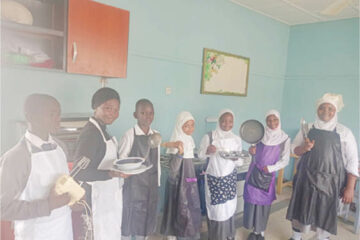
[
  {"x": 260, "y": 237},
  {"x": 252, "y": 236}
]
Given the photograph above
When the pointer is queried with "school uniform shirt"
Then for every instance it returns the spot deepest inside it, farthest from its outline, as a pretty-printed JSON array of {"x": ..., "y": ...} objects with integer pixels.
[
  {"x": 284, "y": 158},
  {"x": 349, "y": 149},
  {"x": 126, "y": 144},
  {"x": 15, "y": 168}
]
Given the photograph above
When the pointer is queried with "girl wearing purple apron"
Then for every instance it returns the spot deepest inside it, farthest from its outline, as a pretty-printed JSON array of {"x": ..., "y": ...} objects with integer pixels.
[
  {"x": 182, "y": 214},
  {"x": 326, "y": 171},
  {"x": 272, "y": 153}
]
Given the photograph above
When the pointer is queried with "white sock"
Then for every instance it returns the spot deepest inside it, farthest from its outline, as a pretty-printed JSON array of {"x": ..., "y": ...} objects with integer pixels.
[
  {"x": 322, "y": 234},
  {"x": 296, "y": 235},
  {"x": 262, "y": 233}
]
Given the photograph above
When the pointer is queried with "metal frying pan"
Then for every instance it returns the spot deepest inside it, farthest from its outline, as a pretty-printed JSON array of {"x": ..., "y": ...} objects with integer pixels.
[{"x": 252, "y": 131}]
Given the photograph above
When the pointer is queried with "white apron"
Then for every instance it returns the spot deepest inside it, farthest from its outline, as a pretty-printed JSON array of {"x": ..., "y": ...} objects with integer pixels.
[
  {"x": 219, "y": 167},
  {"x": 106, "y": 197},
  {"x": 46, "y": 167}
]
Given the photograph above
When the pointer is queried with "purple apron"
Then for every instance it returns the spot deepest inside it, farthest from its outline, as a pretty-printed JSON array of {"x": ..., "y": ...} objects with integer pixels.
[{"x": 265, "y": 155}]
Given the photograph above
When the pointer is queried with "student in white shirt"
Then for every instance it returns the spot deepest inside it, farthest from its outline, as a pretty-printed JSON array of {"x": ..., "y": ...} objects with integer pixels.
[
  {"x": 140, "y": 191},
  {"x": 326, "y": 171}
]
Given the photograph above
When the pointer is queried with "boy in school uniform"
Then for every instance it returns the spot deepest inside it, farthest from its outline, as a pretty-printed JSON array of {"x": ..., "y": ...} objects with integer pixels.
[
  {"x": 28, "y": 173},
  {"x": 140, "y": 192}
]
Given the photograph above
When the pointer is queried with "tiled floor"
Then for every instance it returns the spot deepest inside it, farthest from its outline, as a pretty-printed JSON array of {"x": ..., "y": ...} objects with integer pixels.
[{"x": 279, "y": 228}]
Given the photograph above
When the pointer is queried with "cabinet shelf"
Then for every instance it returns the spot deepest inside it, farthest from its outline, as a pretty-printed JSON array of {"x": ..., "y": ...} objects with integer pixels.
[
  {"x": 75, "y": 36},
  {"x": 31, "y": 29}
]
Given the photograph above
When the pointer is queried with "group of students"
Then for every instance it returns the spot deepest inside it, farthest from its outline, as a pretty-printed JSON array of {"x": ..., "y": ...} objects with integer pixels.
[{"x": 125, "y": 206}]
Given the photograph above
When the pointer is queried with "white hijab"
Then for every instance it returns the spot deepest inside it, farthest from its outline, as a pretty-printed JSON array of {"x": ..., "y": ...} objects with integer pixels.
[
  {"x": 329, "y": 126},
  {"x": 273, "y": 137},
  {"x": 179, "y": 135},
  {"x": 337, "y": 102},
  {"x": 219, "y": 133}
]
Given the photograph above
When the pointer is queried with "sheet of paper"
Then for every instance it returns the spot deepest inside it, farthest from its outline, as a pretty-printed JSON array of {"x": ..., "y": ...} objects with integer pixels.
[{"x": 106, "y": 164}]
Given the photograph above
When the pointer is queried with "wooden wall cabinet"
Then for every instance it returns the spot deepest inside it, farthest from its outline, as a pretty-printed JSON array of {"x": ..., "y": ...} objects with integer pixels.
[
  {"x": 97, "y": 39},
  {"x": 77, "y": 36}
]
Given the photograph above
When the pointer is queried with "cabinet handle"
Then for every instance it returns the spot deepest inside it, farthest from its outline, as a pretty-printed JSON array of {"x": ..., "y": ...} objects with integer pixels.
[{"x": 75, "y": 52}]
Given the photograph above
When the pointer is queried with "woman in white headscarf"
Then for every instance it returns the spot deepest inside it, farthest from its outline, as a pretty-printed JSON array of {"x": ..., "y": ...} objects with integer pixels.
[
  {"x": 272, "y": 153},
  {"x": 182, "y": 216},
  {"x": 220, "y": 177},
  {"x": 327, "y": 169}
]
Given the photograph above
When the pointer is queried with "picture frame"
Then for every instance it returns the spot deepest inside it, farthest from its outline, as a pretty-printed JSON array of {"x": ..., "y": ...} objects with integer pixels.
[{"x": 224, "y": 73}]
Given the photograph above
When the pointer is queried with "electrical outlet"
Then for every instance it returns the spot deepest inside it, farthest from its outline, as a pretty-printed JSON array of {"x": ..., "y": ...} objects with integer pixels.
[{"x": 168, "y": 90}]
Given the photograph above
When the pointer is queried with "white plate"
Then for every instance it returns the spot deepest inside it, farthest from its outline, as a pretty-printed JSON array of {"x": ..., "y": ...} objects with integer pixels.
[
  {"x": 128, "y": 166},
  {"x": 139, "y": 170}
]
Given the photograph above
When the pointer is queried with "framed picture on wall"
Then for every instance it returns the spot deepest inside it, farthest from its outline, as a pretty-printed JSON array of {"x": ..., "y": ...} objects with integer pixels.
[{"x": 224, "y": 73}]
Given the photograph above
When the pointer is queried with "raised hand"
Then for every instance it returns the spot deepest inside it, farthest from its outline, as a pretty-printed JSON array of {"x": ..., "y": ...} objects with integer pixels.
[
  {"x": 118, "y": 174},
  {"x": 211, "y": 149},
  {"x": 55, "y": 200},
  {"x": 252, "y": 150},
  {"x": 308, "y": 145},
  {"x": 180, "y": 146}
]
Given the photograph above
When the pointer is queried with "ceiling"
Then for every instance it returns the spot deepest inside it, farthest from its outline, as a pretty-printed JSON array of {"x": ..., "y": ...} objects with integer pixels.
[{"x": 293, "y": 12}]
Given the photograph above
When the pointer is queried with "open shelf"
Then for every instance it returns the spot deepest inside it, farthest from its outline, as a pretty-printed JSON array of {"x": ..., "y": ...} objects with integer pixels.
[{"x": 31, "y": 29}]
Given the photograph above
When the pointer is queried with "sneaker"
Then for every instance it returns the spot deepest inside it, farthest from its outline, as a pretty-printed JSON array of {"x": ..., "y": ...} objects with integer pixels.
[
  {"x": 260, "y": 237},
  {"x": 252, "y": 236}
]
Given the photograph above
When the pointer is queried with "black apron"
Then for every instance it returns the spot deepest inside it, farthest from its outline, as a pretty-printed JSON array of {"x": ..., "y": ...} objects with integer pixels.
[
  {"x": 140, "y": 192},
  {"x": 182, "y": 213},
  {"x": 318, "y": 182}
]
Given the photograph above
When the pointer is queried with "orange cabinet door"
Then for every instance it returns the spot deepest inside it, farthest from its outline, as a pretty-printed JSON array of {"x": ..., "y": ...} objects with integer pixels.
[{"x": 97, "y": 41}]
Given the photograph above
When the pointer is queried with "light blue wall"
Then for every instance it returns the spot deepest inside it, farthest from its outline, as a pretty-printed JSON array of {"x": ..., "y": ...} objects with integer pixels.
[
  {"x": 165, "y": 50},
  {"x": 322, "y": 57}
]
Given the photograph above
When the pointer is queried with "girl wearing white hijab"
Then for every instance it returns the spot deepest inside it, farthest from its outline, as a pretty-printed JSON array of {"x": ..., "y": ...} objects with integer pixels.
[
  {"x": 327, "y": 169},
  {"x": 272, "y": 153},
  {"x": 182, "y": 216},
  {"x": 220, "y": 177}
]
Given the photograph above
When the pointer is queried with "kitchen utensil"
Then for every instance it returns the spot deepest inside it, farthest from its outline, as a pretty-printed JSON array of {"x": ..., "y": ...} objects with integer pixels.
[
  {"x": 67, "y": 184},
  {"x": 128, "y": 163},
  {"x": 252, "y": 131},
  {"x": 304, "y": 128}
]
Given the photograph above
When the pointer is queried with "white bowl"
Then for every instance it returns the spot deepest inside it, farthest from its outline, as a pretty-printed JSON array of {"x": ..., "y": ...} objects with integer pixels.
[{"x": 128, "y": 163}]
